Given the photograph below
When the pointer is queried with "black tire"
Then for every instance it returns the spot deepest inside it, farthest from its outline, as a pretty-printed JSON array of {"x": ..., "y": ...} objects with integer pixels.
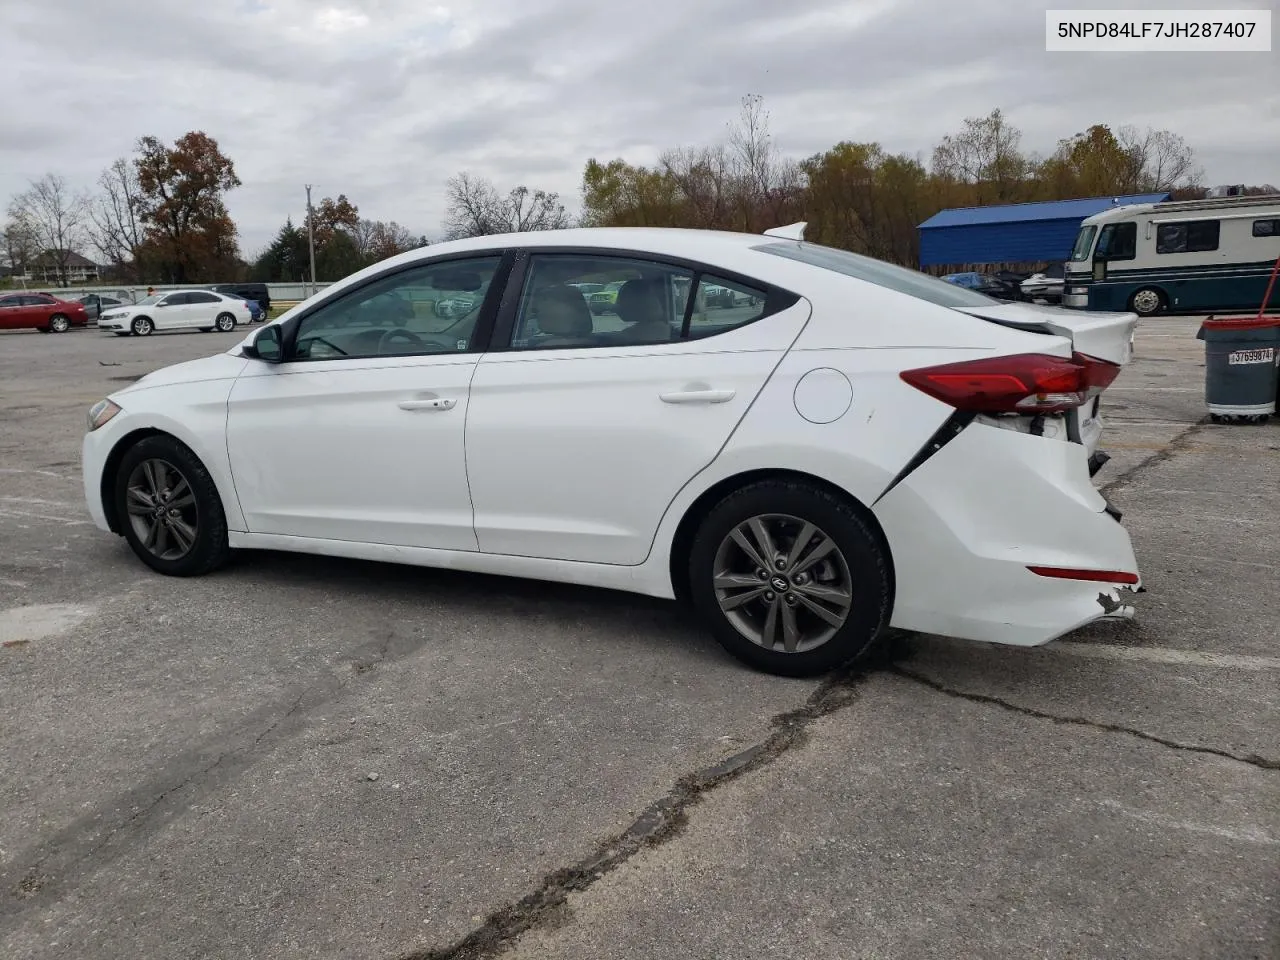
[
  {"x": 210, "y": 548},
  {"x": 866, "y": 565},
  {"x": 1148, "y": 302},
  {"x": 225, "y": 322},
  {"x": 121, "y": 333},
  {"x": 142, "y": 326},
  {"x": 59, "y": 323}
]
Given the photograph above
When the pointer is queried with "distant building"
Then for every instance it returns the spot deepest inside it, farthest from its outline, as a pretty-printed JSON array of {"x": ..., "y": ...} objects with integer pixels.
[
  {"x": 52, "y": 267},
  {"x": 1012, "y": 233}
]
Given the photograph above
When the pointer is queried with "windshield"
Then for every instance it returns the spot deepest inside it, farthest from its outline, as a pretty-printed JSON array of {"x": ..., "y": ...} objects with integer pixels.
[
  {"x": 148, "y": 301},
  {"x": 911, "y": 282},
  {"x": 1084, "y": 243}
]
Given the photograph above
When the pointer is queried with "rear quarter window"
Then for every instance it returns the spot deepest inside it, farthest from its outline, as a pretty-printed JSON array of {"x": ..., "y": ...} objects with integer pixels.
[{"x": 911, "y": 282}]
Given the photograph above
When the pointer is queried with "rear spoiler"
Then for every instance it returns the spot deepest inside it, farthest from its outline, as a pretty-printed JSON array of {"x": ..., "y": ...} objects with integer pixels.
[{"x": 793, "y": 231}]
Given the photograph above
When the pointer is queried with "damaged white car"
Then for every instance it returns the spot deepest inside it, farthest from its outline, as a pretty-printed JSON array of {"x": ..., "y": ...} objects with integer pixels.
[{"x": 837, "y": 446}]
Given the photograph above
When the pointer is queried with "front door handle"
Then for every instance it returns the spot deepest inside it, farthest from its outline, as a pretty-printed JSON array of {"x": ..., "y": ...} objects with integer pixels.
[
  {"x": 440, "y": 403},
  {"x": 697, "y": 396}
]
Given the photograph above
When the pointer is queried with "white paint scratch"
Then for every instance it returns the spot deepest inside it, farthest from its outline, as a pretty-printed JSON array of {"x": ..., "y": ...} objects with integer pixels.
[{"x": 1243, "y": 834}]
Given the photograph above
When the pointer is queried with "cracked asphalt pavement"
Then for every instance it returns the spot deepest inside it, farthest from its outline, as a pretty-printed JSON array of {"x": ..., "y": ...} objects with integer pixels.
[{"x": 303, "y": 757}]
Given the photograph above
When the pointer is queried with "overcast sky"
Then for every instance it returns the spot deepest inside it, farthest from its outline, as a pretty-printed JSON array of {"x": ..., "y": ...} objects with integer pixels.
[{"x": 384, "y": 99}]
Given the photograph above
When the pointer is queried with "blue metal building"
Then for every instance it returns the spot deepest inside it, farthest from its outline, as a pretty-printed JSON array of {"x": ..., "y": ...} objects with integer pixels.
[{"x": 1012, "y": 233}]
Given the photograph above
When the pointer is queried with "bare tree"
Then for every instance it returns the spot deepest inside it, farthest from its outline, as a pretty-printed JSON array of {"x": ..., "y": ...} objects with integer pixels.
[
  {"x": 56, "y": 216},
  {"x": 1164, "y": 160},
  {"x": 474, "y": 208},
  {"x": 704, "y": 176},
  {"x": 115, "y": 227},
  {"x": 985, "y": 153}
]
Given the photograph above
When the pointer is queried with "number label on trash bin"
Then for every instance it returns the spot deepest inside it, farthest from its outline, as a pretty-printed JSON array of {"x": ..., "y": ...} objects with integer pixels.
[{"x": 1263, "y": 355}]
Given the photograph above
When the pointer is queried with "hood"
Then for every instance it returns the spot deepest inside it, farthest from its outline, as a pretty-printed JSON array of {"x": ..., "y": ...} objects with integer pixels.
[
  {"x": 221, "y": 366},
  {"x": 1106, "y": 336}
]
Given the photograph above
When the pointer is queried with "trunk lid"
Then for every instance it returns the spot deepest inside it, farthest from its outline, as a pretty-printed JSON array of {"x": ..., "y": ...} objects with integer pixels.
[{"x": 1105, "y": 336}]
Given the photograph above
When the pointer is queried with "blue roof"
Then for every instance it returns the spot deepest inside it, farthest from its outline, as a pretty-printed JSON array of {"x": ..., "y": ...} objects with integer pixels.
[{"x": 1023, "y": 212}]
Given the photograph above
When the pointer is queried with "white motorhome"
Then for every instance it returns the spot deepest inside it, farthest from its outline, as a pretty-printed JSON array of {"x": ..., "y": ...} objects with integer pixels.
[{"x": 1193, "y": 256}]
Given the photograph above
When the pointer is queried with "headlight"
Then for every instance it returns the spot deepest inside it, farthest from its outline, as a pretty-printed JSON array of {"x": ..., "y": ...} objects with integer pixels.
[{"x": 100, "y": 413}]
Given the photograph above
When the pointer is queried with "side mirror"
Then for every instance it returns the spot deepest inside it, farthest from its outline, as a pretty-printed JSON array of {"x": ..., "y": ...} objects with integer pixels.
[{"x": 266, "y": 345}]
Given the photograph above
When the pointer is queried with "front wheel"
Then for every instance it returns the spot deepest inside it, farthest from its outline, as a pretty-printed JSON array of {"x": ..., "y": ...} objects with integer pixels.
[
  {"x": 142, "y": 326},
  {"x": 225, "y": 323},
  {"x": 1147, "y": 302},
  {"x": 59, "y": 323},
  {"x": 790, "y": 578},
  {"x": 169, "y": 508}
]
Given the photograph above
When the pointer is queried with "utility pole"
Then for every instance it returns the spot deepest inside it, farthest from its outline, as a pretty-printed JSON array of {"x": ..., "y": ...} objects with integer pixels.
[{"x": 311, "y": 239}]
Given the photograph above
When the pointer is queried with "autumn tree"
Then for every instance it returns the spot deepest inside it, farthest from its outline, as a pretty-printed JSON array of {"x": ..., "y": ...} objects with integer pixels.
[
  {"x": 1099, "y": 162},
  {"x": 188, "y": 233},
  {"x": 51, "y": 216},
  {"x": 475, "y": 208},
  {"x": 860, "y": 198},
  {"x": 618, "y": 194}
]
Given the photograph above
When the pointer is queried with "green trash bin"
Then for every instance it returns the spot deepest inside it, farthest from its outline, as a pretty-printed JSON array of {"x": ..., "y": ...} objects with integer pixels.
[{"x": 1241, "y": 357}]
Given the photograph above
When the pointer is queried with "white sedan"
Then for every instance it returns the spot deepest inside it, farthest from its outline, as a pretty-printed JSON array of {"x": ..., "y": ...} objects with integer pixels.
[
  {"x": 848, "y": 446},
  {"x": 180, "y": 310}
]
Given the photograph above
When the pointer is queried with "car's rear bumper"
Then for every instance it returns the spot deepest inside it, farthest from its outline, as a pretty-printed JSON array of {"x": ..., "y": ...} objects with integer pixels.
[{"x": 966, "y": 527}]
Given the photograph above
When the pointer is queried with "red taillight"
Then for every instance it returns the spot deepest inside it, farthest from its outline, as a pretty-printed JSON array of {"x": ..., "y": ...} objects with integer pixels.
[
  {"x": 1027, "y": 383},
  {"x": 1093, "y": 576}
]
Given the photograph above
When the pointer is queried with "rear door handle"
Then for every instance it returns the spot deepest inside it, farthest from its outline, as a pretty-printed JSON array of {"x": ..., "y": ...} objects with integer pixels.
[
  {"x": 440, "y": 403},
  {"x": 697, "y": 396}
]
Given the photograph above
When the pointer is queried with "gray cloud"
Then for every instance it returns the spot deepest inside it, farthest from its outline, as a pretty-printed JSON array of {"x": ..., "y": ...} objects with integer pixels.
[{"x": 385, "y": 99}]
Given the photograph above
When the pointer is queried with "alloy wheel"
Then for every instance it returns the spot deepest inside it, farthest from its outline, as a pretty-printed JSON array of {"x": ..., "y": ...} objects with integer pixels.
[
  {"x": 783, "y": 583},
  {"x": 162, "y": 509},
  {"x": 225, "y": 322},
  {"x": 59, "y": 324}
]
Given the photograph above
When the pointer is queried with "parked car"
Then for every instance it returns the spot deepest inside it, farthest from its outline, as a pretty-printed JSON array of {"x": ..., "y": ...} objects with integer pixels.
[
  {"x": 178, "y": 310},
  {"x": 249, "y": 291},
  {"x": 987, "y": 283},
  {"x": 256, "y": 311},
  {"x": 96, "y": 303},
  {"x": 1046, "y": 284},
  {"x": 40, "y": 311},
  {"x": 869, "y": 448}
]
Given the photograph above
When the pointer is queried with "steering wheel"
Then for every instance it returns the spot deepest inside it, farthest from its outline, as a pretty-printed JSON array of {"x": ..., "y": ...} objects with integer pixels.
[{"x": 399, "y": 333}]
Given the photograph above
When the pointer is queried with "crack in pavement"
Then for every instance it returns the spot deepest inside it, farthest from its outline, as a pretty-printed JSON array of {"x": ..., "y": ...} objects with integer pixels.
[
  {"x": 660, "y": 822},
  {"x": 1252, "y": 759},
  {"x": 1170, "y": 450}
]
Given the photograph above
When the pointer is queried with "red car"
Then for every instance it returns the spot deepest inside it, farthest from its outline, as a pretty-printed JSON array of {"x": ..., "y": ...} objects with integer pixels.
[{"x": 20, "y": 311}]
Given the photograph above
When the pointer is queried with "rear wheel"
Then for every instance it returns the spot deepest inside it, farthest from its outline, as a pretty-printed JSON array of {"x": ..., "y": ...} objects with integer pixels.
[
  {"x": 169, "y": 508},
  {"x": 790, "y": 578},
  {"x": 58, "y": 323},
  {"x": 142, "y": 326},
  {"x": 225, "y": 323},
  {"x": 1147, "y": 302}
]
